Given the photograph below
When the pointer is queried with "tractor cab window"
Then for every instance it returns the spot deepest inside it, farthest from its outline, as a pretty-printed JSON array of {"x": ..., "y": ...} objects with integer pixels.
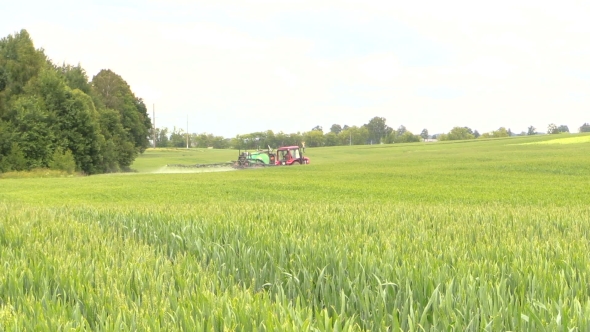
[
  {"x": 284, "y": 155},
  {"x": 295, "y": 153}
]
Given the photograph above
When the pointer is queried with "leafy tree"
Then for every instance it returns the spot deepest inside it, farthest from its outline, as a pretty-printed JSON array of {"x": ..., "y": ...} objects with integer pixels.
[
  {"x": 205, "y": 140},
  {"x": 457, "y": 133},
  {"x": 270, "y": 139},
  {"x": 4, "y": 165},
  {"x": 313, "y": 138},
  {"x": 19, "y": 63},
  {"x": 501, "y": 132},
  {"x": 281, "y": 139},
  {"x": 74, "y": 119},
  {"x": 355, "y": 135},
  {"x": 75, "y": 77},
  {"x": 297, "y": 138},
  {"x": 552, "y": 129},
  {"x": 585, "y": 128},
  {"x": 5, "y": 138},
  {"x": 177, "y": 138},
  {"x": 345, "y": 127},
  {"x": 377, "y": 129},
  {"x": 113, "y": 92},
  {"x": 401, "y": 130},
  {"x": 318, "y": 128},
  {"x": 143, "y": 140},
  {"x": 563, "y": 129},
  {"x": 3, "y": 78},
  {"x": 31, "y": 127},
  {"x": 424, "y": 134},
  {"x": 162, "y": 137},
  {"x": 335, "y": 129},
  {"x": 407, "y": 137},
  {"x": 331, "y": 139},
  {"x": 16, "y": 160},
  {"x": 44, "y": 108},
  {"x": 63, "y": 161},
  {"x": 532, "y": 131},
  {"x": 476, "y": 134},
  {"x": 118, "y": 153}
]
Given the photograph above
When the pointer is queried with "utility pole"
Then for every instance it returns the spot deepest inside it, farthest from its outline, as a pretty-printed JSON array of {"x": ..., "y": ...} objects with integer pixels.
[
  {"x": 154, "y": 116},
  {"x": 187, "y": 131}
]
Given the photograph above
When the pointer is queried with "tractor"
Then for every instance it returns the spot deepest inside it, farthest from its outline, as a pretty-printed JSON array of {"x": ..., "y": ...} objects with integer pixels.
[{"x": 287, "y": 155}]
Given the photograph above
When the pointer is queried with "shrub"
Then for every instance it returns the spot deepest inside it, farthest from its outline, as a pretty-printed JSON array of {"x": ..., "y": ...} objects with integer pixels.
[{"x": 63, "y": 161}]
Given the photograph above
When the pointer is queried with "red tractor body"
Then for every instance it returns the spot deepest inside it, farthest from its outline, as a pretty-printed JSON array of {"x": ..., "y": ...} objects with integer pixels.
[{"x": 289, "y": 155}]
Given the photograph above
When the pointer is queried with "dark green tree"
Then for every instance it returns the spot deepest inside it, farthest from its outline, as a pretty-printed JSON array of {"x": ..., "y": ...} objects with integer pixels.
[
  {"x": 74, "y": 120},
  {"x": 331, "y": 139},
  {"x": 407, "y": 137},
  {"x": 162, "y": 137},
  {"x": 118, "y": 152},
  {"x": 531, "y": 131},
  {"x": 19, "y": 62},
  {"x": 63, "y": 160},
  {"x": 424, "y": 134},
  {"x": 113, "y": 92},
  {"x": 312, "y": 138},
  {"x": 177, "y": 138},
  {"x": 16, "y": 159},
  {"x": 401, "y": 130},
  {"x": 317, "y": 128},
  {"x": 45, "y": 108},
  {"x": 457, "y": 133},
  {"x": 377, "y": 129},
  {"x": 336, "y": 129},
  {"x": 585, "y": 128},
  {"x": 75, "y": 77},
  {"x": 31, "y": 130}
]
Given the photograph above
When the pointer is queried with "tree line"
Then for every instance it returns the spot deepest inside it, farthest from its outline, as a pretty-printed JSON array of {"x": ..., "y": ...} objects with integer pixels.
[
  {"x": 464, "y": 133},
  {"x": 376, "y": 131},
  {"x": 53, "y": 116}
]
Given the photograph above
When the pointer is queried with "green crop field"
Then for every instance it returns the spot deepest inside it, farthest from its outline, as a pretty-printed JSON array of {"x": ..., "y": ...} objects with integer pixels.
[{"x": 486, "y": 235}]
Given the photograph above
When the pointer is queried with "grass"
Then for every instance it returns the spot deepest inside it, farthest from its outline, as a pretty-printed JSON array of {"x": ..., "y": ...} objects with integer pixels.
[
  {"x": 478, "y": 236},
  {"x": 567, "y": 140},
  {"x": 157, "y": 158},
  {"x": 37, "y": 173}
]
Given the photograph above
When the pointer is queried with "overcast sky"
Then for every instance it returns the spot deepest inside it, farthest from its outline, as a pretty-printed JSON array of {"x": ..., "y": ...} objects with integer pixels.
[{"x": 236, "y": 67}]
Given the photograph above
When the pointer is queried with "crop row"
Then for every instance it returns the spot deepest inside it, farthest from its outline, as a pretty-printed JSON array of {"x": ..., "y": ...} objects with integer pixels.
[{"x": 292, "y": 267}]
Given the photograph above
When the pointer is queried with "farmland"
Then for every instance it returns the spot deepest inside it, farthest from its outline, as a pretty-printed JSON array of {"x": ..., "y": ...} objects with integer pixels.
[{"x": 483, "y": 235}]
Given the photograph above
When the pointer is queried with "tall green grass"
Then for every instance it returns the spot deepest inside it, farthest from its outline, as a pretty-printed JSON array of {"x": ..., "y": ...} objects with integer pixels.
[{"x": 477, "y": 236}]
